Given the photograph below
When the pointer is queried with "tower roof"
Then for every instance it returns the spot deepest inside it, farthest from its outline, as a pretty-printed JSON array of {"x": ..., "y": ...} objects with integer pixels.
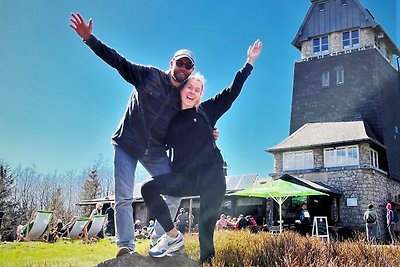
[{"x": 327, "y": 16}]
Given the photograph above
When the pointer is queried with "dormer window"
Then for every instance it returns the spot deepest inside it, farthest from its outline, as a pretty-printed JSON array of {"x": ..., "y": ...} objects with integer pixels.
[
  {"x": 350, "y": 39},
  {"x": 373, "y": 158},
  {"x": 320, "y": 45}
]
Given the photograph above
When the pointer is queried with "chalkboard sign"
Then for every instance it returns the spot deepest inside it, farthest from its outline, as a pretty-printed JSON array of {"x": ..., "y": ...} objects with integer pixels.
[{"x": 320, "y": 227}]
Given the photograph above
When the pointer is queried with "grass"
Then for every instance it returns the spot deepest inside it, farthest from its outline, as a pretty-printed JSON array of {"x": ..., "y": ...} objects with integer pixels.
[
  {"x": 232, "y": 249},
  {"x": 61, "y": 253}
]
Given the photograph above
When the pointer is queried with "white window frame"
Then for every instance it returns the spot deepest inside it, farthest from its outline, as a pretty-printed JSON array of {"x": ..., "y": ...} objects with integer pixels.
[
  {"x": 341, "y": 156},
  {"x": 320, "y": 46},
  {"x": 325, "y": 79},
  {"x": 339, "y": 76},
  {"x": 374, "y": 158},
  {"x": 351, "y": 39},
  {"x": 298, "y": 160}
]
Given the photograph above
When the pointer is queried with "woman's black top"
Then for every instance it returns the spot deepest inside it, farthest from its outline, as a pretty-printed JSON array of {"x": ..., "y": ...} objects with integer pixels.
[{"x": 190, "y": 133}]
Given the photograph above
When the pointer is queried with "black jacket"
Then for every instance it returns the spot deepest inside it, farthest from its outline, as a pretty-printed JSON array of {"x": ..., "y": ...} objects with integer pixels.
[
  {"x": 151, "y": 106},
  {"x": 191, "y": 131}
]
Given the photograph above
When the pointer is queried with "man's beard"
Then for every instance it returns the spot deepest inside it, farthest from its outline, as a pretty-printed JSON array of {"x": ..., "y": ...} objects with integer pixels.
[{"x": 179, "y": 78}]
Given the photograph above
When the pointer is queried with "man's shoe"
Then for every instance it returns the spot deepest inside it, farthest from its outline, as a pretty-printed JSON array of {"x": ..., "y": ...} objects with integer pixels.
[
  {"x": 166, "y": 245},
  {"x": 123, "y": 251}
]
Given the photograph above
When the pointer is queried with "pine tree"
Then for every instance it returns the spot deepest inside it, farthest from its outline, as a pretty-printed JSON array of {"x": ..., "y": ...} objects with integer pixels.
[
  {"x": 56, "y": 203},
  {"x": 91, "y": 188},
  {"x": 10, "y": 214}
]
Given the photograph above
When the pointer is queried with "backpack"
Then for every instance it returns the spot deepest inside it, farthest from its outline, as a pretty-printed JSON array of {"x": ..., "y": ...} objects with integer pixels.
[{"x": 370, "y": 219}]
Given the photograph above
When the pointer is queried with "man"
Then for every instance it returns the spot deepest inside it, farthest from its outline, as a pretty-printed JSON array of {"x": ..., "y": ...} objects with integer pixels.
[
  {"x": 305, "y": 220},
  {"x": 183, "y": 221},
  {"x": 140, "y": 135},
  {"x": 110, "y": 221},
  {"x": 370, "y": 217}
]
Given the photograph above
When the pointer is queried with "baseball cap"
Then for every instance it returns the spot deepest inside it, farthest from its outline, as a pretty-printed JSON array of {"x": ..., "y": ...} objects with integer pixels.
[{"x": 184, "y": 53}]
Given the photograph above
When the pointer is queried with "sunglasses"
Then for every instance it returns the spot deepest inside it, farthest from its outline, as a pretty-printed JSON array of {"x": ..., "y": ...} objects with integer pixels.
[{"x": 180, "y": 64}]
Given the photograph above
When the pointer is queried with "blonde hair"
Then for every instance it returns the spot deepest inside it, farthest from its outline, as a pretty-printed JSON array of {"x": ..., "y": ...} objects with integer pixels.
[{"x": 199, "y": 77}]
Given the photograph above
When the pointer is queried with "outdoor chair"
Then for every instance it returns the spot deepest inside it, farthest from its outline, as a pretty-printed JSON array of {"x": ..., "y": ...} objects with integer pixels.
[
  {"x": 36, "y": 228},
  {"x": 77, "y": 228},
  {"x": 95, "y": 227}
]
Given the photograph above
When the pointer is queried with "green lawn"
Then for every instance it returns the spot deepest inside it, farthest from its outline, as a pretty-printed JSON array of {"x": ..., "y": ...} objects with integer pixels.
[{"x": 61, "y": 253}]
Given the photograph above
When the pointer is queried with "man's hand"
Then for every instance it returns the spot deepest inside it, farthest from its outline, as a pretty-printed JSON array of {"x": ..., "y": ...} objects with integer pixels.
[
  {"x": 254, "y": 51},
  {"x": 82, "y": 29},
  {"x": 216, "y": 134}
]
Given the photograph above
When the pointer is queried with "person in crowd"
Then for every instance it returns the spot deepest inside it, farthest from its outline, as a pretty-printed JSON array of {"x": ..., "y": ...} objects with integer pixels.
[
  {"x": 110, "y": 220},
  {"x": 140, "y": 136},
  {"x": 197, "y": 162},
  {"x": 222, "y": 223},
  {"x": 390, "y": 222},
  {"x": 183, "y": 221},
  {"x": 20, "y": 233},
  {"x": 370, "y": 218},
  {"x": 241, "y": 223},
  {"x": 22, "y": 230},
  {"x": 150, "y": 227},
  {"x": 97, "y": 211},
  {"x": 68, "y": 226},
  {"x": 305, "y": 220},
  {"x": 55, "y": 231}
]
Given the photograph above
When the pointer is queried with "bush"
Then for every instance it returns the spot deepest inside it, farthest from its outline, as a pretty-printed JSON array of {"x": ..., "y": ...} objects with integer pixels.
[{"x": 290, "y": 249}]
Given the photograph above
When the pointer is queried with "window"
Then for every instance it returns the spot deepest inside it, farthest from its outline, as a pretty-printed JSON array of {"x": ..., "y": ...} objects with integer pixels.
[
  {"x": 350, "y": 39},
  {"x": 300, "y": 160},
  {"x": 320, "y": 45},
  {"x": 321, "y": 7},
  {"x": 325, "y": 79},
  {"x": 341, "y": 156},
  {"x": 343, "y": 3},
  {"x": 339, "y": 76},
  {"x": 373, "y": 158}
]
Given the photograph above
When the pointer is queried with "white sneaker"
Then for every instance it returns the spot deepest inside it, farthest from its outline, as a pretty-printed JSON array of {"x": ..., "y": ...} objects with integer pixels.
[{"x": 166, "y": 245}]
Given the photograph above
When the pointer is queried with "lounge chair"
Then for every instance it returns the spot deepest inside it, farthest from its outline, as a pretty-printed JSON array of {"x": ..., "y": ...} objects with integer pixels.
[
  {"x": 36, "y": 228},
  {"x": 95, "y": 227},
  {"x": 78, "y": 227}
]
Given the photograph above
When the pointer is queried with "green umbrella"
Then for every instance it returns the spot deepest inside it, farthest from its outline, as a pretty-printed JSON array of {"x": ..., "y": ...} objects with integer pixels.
[{"x": 279, "y": 190}]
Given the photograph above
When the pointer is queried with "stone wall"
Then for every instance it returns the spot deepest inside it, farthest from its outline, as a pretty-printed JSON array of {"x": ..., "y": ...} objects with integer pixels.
[
  {"x": 367, "y": 186},
  {"x": 363, "y": 183}
]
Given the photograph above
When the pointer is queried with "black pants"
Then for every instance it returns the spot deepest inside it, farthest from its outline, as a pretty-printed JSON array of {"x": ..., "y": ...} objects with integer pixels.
[{"x": 208, "y": 184}]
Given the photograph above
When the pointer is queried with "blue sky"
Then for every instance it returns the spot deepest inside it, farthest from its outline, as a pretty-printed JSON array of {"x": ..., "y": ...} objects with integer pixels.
[{"x": 60, "y": 103}]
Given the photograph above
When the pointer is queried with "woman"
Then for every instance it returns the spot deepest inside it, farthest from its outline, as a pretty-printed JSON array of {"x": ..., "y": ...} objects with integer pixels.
[{"x": 197, "y": 162}]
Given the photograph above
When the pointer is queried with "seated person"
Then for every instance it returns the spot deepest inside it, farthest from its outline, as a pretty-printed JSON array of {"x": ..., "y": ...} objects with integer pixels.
[
  {"x": 21, "y": 229},
  {"x": 68, "y": 226},
  {"x": 55, "y": 231}
]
